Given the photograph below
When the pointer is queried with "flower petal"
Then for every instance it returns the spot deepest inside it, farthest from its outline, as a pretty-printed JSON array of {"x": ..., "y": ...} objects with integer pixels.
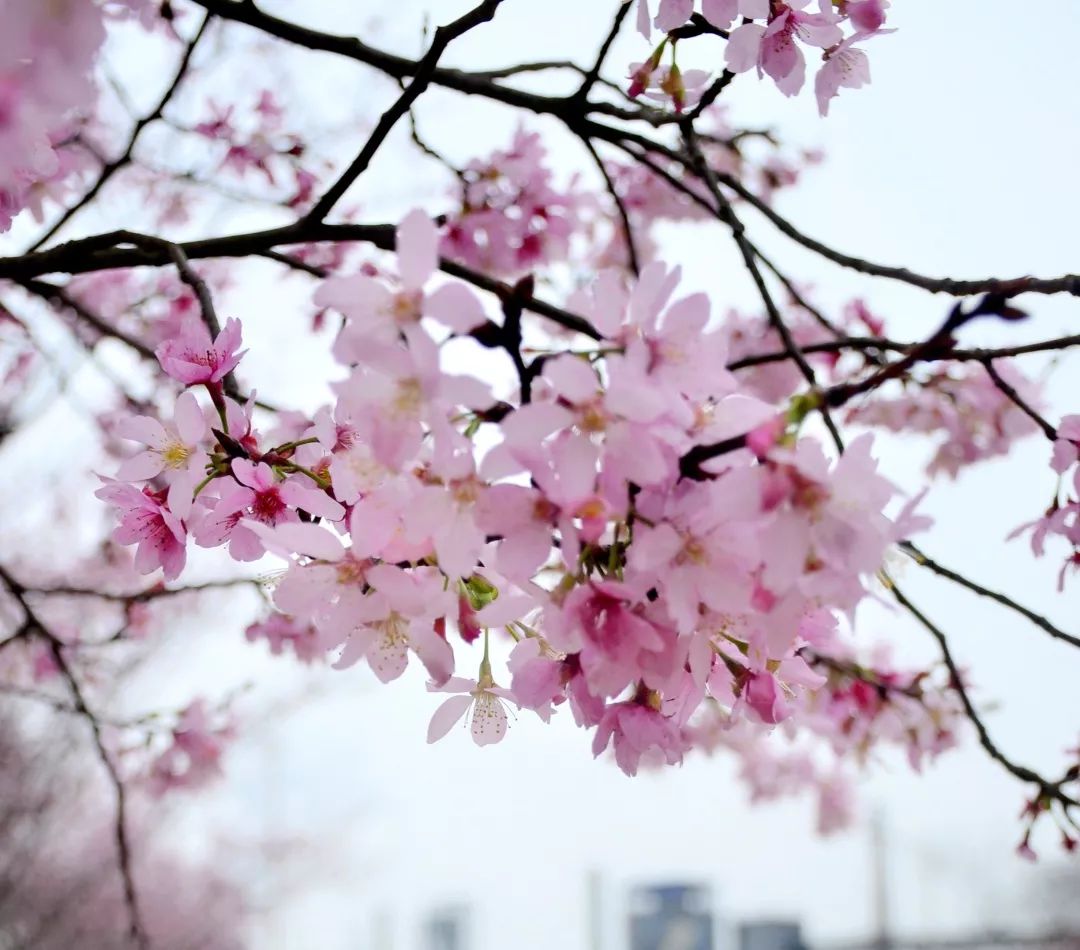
[{"x": 447, "y": 715}]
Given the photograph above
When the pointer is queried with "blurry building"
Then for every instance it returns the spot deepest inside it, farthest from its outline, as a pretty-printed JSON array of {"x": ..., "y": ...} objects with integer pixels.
[
  {"x": 446, "y": 930},
  {"x": 771, "y": 935},
  {"x": 671, "y": 917}
]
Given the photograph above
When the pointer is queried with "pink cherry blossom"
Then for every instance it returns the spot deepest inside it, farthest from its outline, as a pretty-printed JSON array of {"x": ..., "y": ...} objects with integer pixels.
[
  {"x": 146, "y": 521},
  {"x": 513, "y": 215},
  {"x": 193, "y": 757},
  {"x": 482, "y": 700},
  {"x": 638, "y": 732},
  {"x": 763, "y": 695},
  {"x": 845, "y": 67},
  {"x": 376, "y": 311},
  {"x": 671, "y": 14},
  {"x": 285, "y": 634},
  {"x": 1067, "y": 444},
  {"x": 396, "y": 618},
  {"x": 192, "y": 357},
  {"x": 867, "y": 16},
  {"x": 257, "y": 496},
  {"x": 773, "y": 48},
  {"x": 722, "y": 13},
  {"x": 174, "y": 450}
]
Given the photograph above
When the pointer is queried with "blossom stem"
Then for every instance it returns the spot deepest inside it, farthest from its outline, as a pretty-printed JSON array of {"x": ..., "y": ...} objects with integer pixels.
[
  {"x": 206, "y": 481},
  {"x": 289, "y": 446},
  {"x": 319, "y": 480}
]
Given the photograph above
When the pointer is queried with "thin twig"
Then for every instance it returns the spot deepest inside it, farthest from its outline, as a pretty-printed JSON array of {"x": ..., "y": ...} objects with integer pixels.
[
  {"x": 422, "y": 78},
  {"x": 33, "y": 624},
  {"x": 924, "y": 560}
]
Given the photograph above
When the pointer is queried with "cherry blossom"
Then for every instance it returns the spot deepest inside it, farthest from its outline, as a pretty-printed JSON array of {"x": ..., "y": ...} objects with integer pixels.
[
  {"x": 543, "y": 457},
  {"x": 174, "y": 450},
  {"x": 145, "y": 521},
  {"x": 192, "y": 357},
  {"x": 772, "y": 48},
  {"x": 482, "y": 700},
  {"x": 377, "y": 312}
]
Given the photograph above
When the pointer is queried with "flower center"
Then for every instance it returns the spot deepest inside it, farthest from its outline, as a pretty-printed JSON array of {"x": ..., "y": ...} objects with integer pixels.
[
  {"x": 406, "y": 306},
  {"x": 267, "y": 506},
  {"x": 410, "y": 397},
  {"x": 175, "y": 455}
]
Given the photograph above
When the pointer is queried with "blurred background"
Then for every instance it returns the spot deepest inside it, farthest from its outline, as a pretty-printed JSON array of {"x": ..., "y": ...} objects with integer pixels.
[{"x": 345, "y": 830}]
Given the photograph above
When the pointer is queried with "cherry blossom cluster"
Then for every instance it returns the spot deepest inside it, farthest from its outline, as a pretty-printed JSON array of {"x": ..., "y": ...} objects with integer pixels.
[
  {"x": 1039, "y": 807},
  {"x": 512, "y": 217},
  {"x": 1062, "y": 516},
  {"x": 572, "y": 530},
  {"x": 262, "y": 145},
  {"x": 192, "y": 751},
  {"x": 770, "y": 38},
  {"x": 857, "y": 711},
  {"x": 962, "y": 405}
]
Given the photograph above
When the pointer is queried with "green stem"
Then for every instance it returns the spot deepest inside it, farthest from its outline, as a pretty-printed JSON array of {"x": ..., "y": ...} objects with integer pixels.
[
  {"x": 317, "y": 479},
  {"x": 485, "y": 663},
  {"x": 206, "y": 481},
  {"x": 289, "y": 446}
]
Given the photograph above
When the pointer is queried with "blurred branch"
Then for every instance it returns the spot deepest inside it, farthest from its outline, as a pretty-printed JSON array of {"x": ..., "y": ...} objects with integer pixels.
[
  {"x": 33, "y": 624},
  {"x": 124, "y": 159}
]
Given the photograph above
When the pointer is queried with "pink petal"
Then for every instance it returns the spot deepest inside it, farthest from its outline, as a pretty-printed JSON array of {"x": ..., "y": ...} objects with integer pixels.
[
  {"x": 572, "y": 378},
  {"x": 489, "y": 720},
  {"x": 744, "y": 47},
  {"x": 190, "y": 421},
  {"x": 673, "y": 14},
  {"x": 144, "y": 429},
  {"x": 455, "y": 306},
  {"x": 140, "y": 467},
  {"x": 181, "y": 493},
  {"x": 299, "y": 538},
  {"x": 312, "y": 500},
  {"x": 447, "y": 715},
  {"x": 417, "y": 249}
]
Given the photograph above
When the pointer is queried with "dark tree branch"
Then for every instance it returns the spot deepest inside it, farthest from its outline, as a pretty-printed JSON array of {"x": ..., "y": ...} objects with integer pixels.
[
  {"x": 1070, "y": 283},
  {"x": 872, "y": 345},
  {"x": 422, "y": 78},
  {"x": 620, "y": 207},
  {"x": 60, "y": 297},
  {"x": 106, "y": 252},
  {"x": 1013, "y": 396},
  {"x": 593, "y": 74},
  {"x": 33, "y": 624},
  {"x": 924, "y": 560},
  {"x": 1051, "y": 790},
  {"x": 749, "y": 255}
]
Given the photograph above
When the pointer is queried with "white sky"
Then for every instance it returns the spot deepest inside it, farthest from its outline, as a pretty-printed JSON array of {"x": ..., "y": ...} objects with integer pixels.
[{"x": 959, "y": 160}]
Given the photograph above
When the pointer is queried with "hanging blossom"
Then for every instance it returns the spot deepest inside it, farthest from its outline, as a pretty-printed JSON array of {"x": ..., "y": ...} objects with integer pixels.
[
  {"x": 1062, "y": 515},
  {"x": 770, "y": 38},
  {"x": 572, "y": 539}
]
